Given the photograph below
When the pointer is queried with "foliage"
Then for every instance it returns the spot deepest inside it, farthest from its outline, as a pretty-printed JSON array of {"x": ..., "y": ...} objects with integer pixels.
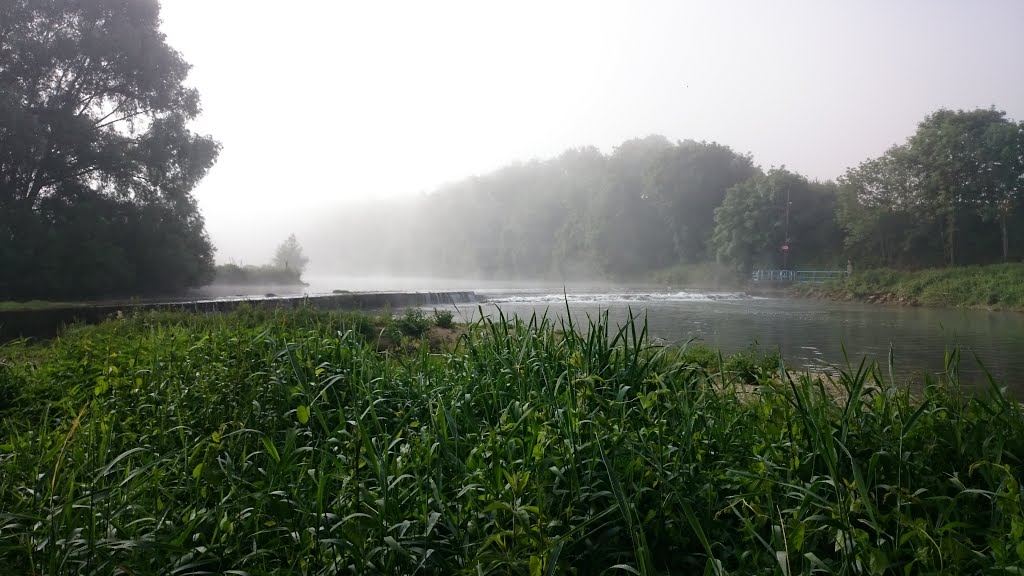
[
  {"x": 704, "y": 275},
  {"x": 753, "y": 366},
  {"x": 998, "y": 286},
  {"x": 951, "y": 194},
  {"x": 97, "y": 164},
  {"x": 413, "y": 323},
  {"x": 932, "y": 200},
  {"x": 234, "y": 275},
  {"x": 289, "y": 256},
  {"x": 9, "y": 306},
  {"x": 753, "y": 224},
  {"x": 443, "y": 318},
  {"x": 688, "y": 182},
  {"x": 701, "y": 355},
  {"x": 646, "y": 206},
  {"x": 265, "y": 443}
]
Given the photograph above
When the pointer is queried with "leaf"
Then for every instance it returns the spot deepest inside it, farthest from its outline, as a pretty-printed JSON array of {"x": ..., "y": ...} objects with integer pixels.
[
  {"x": 197, "y": 471},
  {"x": 536, "y": 565},
  {"x": 394, "y": 545},
  {"x": 101, "y": 386},
  {"x": 302, "y": 412},
  {"x": 271, "y": 450}
]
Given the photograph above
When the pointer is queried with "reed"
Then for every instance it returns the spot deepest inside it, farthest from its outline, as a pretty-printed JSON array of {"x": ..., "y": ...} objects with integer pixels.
[{"x": 292, "y": 442}]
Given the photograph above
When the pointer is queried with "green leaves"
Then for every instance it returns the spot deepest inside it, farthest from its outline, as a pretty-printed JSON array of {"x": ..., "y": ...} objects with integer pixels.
[
  {"x": 538, "y": 450},
  {"x": 98, "y": 173}
]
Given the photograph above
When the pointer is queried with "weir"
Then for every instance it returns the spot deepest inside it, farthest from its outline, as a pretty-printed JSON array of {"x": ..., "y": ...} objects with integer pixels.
[{"x": 48, "y": 322}]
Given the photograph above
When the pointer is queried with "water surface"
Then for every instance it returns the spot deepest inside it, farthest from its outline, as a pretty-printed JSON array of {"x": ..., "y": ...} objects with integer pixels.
[{"x": 809, "y": 333}]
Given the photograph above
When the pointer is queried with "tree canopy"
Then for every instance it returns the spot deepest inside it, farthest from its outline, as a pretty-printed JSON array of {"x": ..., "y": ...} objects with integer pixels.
[
  {"x": 933, "y": 200},
  {"x": 289, "y": 256},
  {"x": 97, "y": 163},
  {"x": 951, "y": 194}
]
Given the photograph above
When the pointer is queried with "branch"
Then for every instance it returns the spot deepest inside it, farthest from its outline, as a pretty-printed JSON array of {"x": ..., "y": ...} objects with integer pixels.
[{"x": 123, "y": 118}]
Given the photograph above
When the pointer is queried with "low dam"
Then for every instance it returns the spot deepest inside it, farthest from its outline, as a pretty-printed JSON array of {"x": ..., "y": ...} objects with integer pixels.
[{"x": 48, "y": 322}]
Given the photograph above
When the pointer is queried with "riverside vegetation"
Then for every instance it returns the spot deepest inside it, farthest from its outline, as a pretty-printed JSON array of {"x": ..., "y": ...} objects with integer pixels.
[
  {"x": 306, "y": 442},
  {"x": 997, "y": 287}
]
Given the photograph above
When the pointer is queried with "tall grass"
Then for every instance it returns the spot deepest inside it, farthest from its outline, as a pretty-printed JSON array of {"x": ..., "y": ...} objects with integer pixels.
[{"x": 275, "y": 443}]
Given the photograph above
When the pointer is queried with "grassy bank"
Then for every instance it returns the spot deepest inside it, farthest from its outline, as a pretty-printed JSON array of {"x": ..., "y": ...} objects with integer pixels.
[
  {"x": 13, "y": 306},
  {"x": 999, "y": 287},
  {"x": 271, "y": 443}
]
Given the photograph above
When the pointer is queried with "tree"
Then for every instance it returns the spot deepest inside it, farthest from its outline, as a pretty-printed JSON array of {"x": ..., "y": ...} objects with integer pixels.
[
  {"x": 751, "y": 225},
  {"x": 931, "y": 200},
  {"x": 687, "y": 182},
  {"x": 94, "y": 121},
  {"x": 876, "y": 208},
  {"x": 1003, "y": 176},
  {"x": 952, "y": 162},
  {"x": 289, "y": 256}
]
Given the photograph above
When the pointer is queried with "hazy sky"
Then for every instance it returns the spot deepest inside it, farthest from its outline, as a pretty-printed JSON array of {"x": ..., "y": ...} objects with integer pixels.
[{"x": 319, "y": 102}]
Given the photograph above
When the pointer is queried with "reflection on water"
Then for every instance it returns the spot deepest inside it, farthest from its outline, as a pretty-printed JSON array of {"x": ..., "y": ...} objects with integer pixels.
[{"x": 809, "y": 333}]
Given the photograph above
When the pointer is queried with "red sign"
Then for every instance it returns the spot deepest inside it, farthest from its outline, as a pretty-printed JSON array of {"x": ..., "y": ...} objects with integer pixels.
[{"x": 785, "y": 247}]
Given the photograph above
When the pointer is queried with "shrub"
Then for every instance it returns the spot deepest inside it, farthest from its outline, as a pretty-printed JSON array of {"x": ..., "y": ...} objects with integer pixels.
[
  {"x": 753, "y": 365},
  {"x": 700, "y": 354},
  {"x": 443, "y": 318},
  {"x": 413, "y": 323}
]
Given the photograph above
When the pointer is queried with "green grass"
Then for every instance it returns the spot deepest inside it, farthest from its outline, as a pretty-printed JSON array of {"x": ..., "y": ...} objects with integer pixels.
[
  {"x": 11, "y": 306},
  {"x": 293, "y": 443},
  {"x": 998, "y": 287}
]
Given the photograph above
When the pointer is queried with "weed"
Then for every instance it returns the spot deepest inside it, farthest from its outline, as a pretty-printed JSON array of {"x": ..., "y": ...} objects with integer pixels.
[
  {"x": 271, "y": 442},
  {"x": 443, "y": 318}
]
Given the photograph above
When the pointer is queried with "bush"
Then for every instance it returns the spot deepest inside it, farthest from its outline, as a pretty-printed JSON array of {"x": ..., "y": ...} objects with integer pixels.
[
  {"x": 753, "y": 366},
  {"x": 413, "y": 323},
  {"x": 443, "y": 318},
  {"x": 699, "y": 354}
]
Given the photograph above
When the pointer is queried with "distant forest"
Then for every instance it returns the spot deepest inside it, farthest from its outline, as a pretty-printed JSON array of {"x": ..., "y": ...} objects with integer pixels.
[
  {"x": 98, "y": 165},
  {"x": 950, "y": 195}
]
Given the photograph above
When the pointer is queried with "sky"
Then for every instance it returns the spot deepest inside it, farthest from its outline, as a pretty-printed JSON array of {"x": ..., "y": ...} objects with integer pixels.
[{"x": 319, "y": 104}]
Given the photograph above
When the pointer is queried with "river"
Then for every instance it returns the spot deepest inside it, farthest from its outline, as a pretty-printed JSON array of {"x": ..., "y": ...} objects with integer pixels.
[{"x": 809, "y": 333}]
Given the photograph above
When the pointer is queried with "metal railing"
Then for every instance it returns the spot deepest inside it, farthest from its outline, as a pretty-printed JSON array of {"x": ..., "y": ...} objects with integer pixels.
[{"x": 798, "y": 276}]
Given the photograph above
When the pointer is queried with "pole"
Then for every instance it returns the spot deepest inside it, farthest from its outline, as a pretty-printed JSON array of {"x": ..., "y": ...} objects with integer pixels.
[{"x": 785, "y": 253}]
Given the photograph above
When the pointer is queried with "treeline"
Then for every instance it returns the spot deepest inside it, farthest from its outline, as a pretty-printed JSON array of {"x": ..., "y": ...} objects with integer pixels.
[
  {"x": 284, "y": 270},
  {"x": 951, "y": 195}
]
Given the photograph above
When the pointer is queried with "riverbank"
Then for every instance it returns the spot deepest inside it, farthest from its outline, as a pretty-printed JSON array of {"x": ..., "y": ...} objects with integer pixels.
[
  {"x": 996, "y": 287},
  {"x": 270, "y": 441}
]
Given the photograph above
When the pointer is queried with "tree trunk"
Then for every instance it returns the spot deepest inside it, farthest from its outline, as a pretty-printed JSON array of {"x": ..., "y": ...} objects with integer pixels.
[
  {"x": 1006, "y": 240},
  {"x": 951, "y": 232}
]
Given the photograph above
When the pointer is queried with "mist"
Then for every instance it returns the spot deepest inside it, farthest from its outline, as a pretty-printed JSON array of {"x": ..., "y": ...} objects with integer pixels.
[{"x": 352, "y": 107}]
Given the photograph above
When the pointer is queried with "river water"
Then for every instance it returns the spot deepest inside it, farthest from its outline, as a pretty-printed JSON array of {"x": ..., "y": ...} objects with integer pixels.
[{"x": 809, "y": 333}]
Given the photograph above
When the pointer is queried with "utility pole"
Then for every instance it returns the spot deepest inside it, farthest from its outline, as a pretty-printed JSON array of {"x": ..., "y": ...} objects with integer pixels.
[{"x": 785, "y": 243}]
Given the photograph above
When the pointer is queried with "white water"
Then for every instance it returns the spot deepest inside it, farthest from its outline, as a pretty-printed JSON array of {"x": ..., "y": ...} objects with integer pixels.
[{"x": 616, "y": 297}]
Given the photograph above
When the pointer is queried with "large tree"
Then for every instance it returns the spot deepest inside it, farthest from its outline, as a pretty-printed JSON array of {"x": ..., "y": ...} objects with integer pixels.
[
  {"x": 687, "y": 182},
  {"x": 933, "y": 199},
  {"x": 95, "y": 146},
  {"x": 954, "y": 164}
]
